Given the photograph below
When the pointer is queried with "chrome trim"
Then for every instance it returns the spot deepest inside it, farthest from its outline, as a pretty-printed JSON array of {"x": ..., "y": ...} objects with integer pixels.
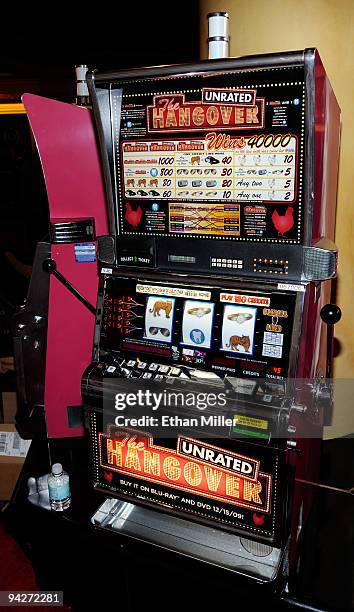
[
  {"x": 252, "y": 62},
  {"x": 308, "y": 166},
  {"x": 97, "y": 104},
  {"x": 295, "y": 338}
]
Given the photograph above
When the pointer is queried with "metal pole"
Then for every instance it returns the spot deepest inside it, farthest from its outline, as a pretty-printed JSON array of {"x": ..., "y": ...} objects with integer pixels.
[{"x": 218, "y": 35}]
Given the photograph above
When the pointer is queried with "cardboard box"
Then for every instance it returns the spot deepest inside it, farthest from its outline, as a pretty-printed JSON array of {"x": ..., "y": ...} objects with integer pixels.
[
  {"x": 9, "y": 406},
  {"x": 13, "y": 451}
]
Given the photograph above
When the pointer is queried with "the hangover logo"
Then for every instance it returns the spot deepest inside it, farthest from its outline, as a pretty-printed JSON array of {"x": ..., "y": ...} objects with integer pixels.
[
  {"x": 135, "y": 454},
  {"x": 172, "y": 113}
]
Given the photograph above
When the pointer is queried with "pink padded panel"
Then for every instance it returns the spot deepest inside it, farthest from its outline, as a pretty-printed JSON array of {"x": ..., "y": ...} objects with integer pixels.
[
  {"x": 69, "y": 340},
  {"x": 66, "y": 142},
  {"x": 67, "y": 147}
]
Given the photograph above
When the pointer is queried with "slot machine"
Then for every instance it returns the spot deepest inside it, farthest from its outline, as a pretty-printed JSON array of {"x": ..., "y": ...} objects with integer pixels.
[{"x": 214, "y": 286}]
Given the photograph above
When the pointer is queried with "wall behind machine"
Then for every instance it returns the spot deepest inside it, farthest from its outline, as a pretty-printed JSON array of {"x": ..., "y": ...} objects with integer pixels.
[{"x": 286, "y": 25}]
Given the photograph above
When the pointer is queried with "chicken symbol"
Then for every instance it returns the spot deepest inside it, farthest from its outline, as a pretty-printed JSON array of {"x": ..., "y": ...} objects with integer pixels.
[
  {"x": 133, "y": 216},
  {"x": 283, "y": 223}
]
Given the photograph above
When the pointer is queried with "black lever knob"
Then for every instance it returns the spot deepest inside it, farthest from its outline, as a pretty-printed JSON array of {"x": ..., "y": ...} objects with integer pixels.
[
  {"x": 49, "y": 265},
  {"x": 331, "y": 314}
]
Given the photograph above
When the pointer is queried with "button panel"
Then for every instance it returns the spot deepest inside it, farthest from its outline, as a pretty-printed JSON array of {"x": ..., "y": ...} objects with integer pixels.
[
  {"x": 140, "y": 369},
  {"x": 223, "y": 262},
  {"x": 160, "y": 372}
]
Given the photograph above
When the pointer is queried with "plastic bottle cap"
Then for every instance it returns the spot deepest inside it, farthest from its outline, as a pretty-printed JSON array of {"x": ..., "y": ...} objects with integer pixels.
[{"x": 57, "y": 469}]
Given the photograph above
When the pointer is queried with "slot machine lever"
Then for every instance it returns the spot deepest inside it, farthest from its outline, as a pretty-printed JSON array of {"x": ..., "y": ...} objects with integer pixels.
[
  {"x": 50, "y": 266},
  {"x": 330, "y": 314}
]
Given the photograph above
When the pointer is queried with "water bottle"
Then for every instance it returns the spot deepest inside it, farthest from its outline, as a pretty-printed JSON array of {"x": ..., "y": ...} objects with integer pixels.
[{"x": 59, "y": 488}]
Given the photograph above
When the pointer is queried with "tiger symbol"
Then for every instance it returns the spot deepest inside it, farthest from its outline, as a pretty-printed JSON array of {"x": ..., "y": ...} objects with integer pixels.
[
  {"x": 161, "y": 305},
  {"x": 236, "y": 341}
]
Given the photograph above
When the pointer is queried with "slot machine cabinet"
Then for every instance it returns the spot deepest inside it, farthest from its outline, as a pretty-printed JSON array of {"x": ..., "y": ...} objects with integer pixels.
[
  {"x": 221, "y": 188},
  {"x": 54, "y": 330}
]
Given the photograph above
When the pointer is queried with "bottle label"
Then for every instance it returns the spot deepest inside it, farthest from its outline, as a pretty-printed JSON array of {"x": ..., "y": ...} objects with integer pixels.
[{"x": 59, "y": 493}]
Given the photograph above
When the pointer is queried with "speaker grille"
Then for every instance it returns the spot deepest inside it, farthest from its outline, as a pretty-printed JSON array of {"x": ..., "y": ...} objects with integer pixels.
[
  {"x": 319, "y": 264},
  {"x": 66, "y": 231},
  {"x": 256, "y": 548},
  {"x": 106, "y": 249}
]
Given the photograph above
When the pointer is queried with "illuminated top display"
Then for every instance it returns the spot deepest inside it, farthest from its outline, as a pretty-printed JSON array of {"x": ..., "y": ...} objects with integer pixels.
[{"x": 216, "y": 156}]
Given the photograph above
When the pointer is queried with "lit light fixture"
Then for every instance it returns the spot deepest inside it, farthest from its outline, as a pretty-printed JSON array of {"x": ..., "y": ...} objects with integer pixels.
[{"x": 12, "y": 109}]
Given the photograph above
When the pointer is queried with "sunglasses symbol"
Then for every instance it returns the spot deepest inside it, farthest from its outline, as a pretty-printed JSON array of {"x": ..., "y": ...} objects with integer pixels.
[{"x": 155, "y": 330}]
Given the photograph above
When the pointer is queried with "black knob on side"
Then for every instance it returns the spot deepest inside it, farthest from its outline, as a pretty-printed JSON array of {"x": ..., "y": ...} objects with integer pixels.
[
  {"x": 331, "y": 314},
  {"x": 49, "y": 265}
]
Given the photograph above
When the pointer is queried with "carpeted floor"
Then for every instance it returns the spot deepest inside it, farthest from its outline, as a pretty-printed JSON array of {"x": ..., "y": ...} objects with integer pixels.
[{"x": 16, "y": 572}]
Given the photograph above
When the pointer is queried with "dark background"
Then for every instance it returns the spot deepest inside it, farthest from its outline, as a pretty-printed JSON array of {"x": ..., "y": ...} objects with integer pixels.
[
  {"x": 37, "y": 55},
  {"x": 132, "y": 34}
]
